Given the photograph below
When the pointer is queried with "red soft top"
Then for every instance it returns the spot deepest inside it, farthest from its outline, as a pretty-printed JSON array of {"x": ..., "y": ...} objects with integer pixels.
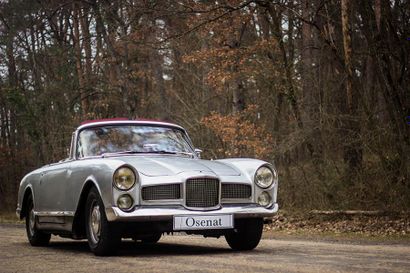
[{"x": 119, "y": 119}]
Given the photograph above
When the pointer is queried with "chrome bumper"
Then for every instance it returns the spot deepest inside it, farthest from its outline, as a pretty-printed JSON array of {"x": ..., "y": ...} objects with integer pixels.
[{"x": 142, "y": 214}]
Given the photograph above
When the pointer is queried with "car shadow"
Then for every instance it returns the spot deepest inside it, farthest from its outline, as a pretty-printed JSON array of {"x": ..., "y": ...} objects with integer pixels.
[{"x": 130, "y": 248}]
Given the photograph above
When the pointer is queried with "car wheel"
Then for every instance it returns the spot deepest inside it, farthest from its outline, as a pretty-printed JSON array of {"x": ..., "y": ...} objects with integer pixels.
[
  {"x": 152, "y": 239},
  {"x": 35, "y": 237},
  {"x": 246, "y": 235},
  {"x": 103, "y": 237}
]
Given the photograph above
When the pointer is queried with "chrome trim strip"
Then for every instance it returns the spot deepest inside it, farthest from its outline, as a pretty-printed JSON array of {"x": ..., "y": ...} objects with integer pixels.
[
  {"x": 236, "y": 200},
  {"x": 54, "y": 213},
  {"x": 166, "y": 213},
  {"x": 181, "y": 201},
  {"x": 125, "y": 122},
  {"x": 119, "y": 122},
  {"x": 205, "y": 208},
  {"x": 163, "y": 202}
]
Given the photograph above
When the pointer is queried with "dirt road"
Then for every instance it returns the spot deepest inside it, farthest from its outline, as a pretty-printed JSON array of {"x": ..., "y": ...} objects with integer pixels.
[{"x": 197, "y": 254}]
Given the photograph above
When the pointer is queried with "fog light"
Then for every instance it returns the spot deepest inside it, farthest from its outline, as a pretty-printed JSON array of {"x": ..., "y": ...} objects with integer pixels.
[
  {"x": 264, "y": 199},
  {"x": 125, "y": 202}
]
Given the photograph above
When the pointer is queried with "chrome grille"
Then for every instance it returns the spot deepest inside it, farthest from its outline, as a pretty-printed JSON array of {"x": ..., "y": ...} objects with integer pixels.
[
  {"x": 161, "y": 192},
  {"x": 236, "y": 191},
  {"x": 202, "y": 192}
]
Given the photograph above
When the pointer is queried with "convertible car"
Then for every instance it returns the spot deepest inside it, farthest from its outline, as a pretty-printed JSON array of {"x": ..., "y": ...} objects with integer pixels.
[{"x": 140, "y": 179}]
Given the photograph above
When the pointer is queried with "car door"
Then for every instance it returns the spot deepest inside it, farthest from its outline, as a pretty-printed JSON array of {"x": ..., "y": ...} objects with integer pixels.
[{"x": 51, "y": 190}]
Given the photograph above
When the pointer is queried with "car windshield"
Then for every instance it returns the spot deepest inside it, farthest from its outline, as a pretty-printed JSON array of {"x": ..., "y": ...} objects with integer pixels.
[{"x": 97, "y": 141}]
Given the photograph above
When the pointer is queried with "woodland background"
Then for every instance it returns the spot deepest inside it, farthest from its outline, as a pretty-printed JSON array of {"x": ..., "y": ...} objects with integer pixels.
[{"x": 319, "y": 87}]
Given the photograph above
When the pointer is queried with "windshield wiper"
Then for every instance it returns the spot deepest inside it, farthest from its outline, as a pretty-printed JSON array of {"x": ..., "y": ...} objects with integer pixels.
[
  {"x": 170, "y": 152},
  {"x": 122, "y": 152},
  {"x": 148, "y": 152}
]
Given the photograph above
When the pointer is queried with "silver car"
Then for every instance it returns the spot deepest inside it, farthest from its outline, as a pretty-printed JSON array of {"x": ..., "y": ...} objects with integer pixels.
[{"x": 141, "y": 179}]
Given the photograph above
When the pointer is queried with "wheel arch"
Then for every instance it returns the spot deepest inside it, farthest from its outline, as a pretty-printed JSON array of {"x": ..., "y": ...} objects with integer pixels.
[
  {"x": 27, "y": 193},
  {"x": 79, "y": 216}
]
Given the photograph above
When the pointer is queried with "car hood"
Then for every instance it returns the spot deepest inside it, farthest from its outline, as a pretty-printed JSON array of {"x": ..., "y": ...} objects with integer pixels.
[{"x": 172, "y": 165}]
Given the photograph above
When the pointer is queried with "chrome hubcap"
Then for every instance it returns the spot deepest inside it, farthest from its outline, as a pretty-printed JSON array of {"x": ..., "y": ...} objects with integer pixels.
[
  {"x": 31, "y": 222},
  {"x": 95, "y": 222}
]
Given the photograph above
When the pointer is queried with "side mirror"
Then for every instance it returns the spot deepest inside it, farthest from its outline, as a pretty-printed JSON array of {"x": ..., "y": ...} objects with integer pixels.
[{"x": 198, "y": 152}]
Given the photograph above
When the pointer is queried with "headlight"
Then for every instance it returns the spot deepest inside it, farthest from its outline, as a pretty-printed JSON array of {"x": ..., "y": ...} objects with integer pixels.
[
  {"x": 264, "y": 177},
  {"x": 125, "y": 202},
  {"x": 264, "y": 199},
  {"x": 124, "y": 178}
]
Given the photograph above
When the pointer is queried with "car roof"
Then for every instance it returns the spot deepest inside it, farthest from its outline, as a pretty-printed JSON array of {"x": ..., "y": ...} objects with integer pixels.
[{"x": 124, "y": 121}]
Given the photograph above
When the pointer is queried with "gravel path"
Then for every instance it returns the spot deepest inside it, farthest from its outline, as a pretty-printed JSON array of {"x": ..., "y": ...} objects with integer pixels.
[{"x": 197, "y": 254}]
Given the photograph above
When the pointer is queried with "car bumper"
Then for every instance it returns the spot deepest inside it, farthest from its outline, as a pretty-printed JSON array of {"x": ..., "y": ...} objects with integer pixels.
[{"x": 142, "y": 214}]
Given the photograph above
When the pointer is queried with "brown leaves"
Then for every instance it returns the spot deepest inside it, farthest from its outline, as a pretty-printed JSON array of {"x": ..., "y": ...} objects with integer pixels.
[
  {"x": 227, "y": 64},
  {"x": 239, "y": 134},
  {"x": 366, "y": 225}
]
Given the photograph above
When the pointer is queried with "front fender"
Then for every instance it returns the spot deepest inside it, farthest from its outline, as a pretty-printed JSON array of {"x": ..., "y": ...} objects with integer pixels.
[
  {"x": 104, "y": 191},
  {"x": 26, "y": 184},
  {"x": 248, "y": 167}
]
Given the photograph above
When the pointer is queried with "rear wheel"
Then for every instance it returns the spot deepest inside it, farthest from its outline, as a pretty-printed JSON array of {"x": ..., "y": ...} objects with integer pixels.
[
  {"x": 103, "y": 237},
  {"x": 246, "y": 235},
  {"x": 35, "y": 237}
]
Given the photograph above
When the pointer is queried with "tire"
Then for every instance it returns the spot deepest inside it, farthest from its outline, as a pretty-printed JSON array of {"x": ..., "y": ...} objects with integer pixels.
[
  {"x": 246, "y": 235},
  {"x": 152, "y": 239},
  {"x": 103, "y": 237},
  {"x": 35, "y": 237}
]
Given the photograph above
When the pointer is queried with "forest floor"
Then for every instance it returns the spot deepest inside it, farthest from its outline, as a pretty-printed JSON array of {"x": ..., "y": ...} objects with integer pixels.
[
  {"x": 394, "y": 228},
  {"x": 380, "y": 227}
]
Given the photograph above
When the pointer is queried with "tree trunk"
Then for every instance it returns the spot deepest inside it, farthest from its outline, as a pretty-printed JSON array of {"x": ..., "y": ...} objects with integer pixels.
[
  {"x": 84, "y": 25},
  {"x": 78, "y": 61},
  {"x": 352, "y": 144}
]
